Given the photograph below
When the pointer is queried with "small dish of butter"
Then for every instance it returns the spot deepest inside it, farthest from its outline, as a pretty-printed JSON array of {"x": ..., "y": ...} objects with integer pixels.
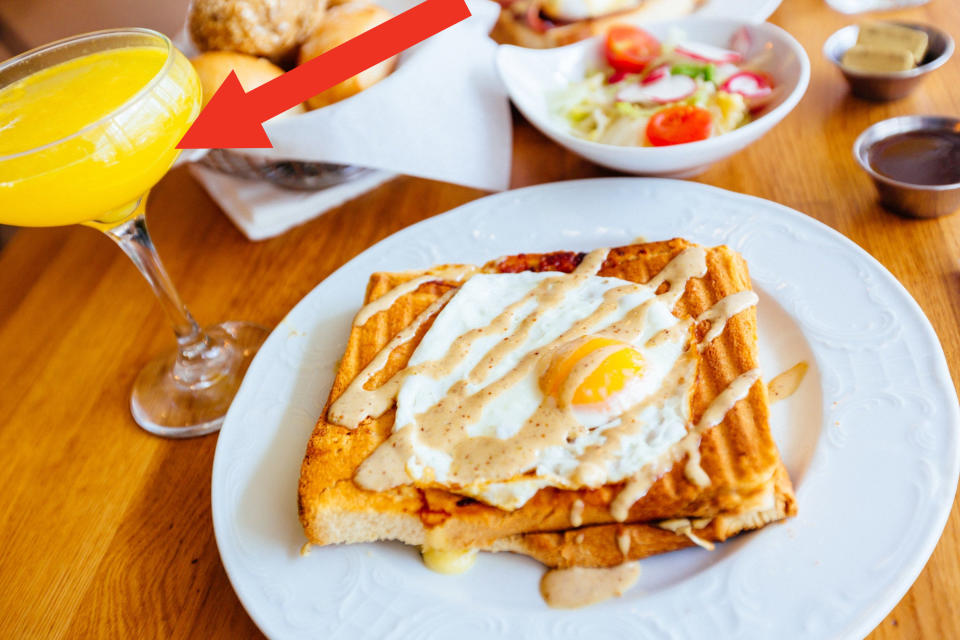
[{"x": 887, "y": 60}]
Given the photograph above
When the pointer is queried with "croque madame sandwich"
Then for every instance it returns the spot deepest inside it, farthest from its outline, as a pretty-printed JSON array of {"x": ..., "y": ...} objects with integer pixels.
[
  {"x": 541, "y": 24},
  {"x": 583, "y": 409}
]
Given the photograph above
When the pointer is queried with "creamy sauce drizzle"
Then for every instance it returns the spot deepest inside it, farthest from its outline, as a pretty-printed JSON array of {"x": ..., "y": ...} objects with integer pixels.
[
  {"x": 683, "y": 526},
  {"x": 638, "y": 485},
  {"x": 786, "y": 384},
  {"x": 444, "y": 425},
  {"x": 475, "y": 459},
  {"x": 590, "y": 473},
  {"x": 357, "y": 402},
  {"x": 576, "y": 513},
  {"x": 722, "y": 311},
  {"x": 623, "y": 542},
  {"x": 689, "y": 263},
  {"x": 578, "y": 586},
  {"x": 692, "y": 470},
  {"x": 763, "y": 511},
  {"x": 592, "y": 262},
  {"x": 582, "y": 370},
  {"x": 384, "y": 302},
  {"x": 670, "y": 334}
]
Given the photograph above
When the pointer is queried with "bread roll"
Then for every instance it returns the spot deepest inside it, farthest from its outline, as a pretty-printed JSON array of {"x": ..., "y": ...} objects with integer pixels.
[
  {"x": 343, "y": 22},
  {"x": 268, "y": 28},
  {"x": 213, "y": 67}
]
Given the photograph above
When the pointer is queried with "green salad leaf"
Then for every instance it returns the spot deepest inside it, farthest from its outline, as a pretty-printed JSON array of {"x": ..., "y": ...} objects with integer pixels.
[{"x": 707, "y": 72}]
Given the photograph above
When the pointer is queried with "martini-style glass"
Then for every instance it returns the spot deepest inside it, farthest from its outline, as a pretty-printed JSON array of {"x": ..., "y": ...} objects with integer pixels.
[{"x": 88, "y": 125}]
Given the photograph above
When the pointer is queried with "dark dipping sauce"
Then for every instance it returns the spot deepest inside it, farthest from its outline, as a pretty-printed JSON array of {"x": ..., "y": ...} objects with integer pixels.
[{"x": 926, "y": 157}]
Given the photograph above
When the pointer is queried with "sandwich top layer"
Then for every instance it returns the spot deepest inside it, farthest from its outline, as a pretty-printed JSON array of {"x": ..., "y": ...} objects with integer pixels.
[
  {"x": 532, "y": 380},
  {"x": 706, "y": 473}
]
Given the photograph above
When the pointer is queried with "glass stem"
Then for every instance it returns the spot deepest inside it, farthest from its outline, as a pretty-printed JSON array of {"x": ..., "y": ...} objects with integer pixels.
[{"x": 196, "y": 352}]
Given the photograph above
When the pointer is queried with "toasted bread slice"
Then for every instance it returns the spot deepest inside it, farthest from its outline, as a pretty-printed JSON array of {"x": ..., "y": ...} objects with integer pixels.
[
  {"x": 607, "y": 545},
  {"x": 738, "y": 455},
  {"x": 513, "y": 27}
]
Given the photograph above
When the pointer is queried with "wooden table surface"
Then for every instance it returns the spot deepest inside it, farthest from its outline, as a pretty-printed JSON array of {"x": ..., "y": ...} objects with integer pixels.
[{"x": 106, "y": 531}]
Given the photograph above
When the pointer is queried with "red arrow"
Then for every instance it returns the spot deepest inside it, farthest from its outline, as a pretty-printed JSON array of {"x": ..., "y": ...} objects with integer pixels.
[{"x": 233, "y": 118}]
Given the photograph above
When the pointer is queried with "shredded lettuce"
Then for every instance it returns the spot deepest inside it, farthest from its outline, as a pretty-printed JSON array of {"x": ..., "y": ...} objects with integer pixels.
[
  {"x": 631, "y": 110},
  {"x": 706, "y": 72},
  {"x": 590, "y": 108}
]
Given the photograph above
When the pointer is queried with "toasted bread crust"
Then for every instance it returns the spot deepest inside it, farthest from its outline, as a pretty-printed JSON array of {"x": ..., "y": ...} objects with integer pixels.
[
  {"x": 738, "y": 455},
  {"x": 604, "y": 545}
]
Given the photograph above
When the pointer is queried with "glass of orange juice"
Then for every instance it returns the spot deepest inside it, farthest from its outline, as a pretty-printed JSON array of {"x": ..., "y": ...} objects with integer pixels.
[{"x": 87, "y": 126}]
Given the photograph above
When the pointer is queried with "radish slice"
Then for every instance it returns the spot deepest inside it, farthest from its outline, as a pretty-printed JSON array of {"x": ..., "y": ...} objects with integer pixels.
[
  {"x": 726, "y": 70},
  {"x": 657, "y": 74},
  {"x": 669, "y": 88},
  {"x": 752, "y": 86},
  {"x": 741, "y": 42},
  {"x": 707, "y": 53},
  {"x": 756, "y": 89},
  {"x": 616, "y": 77}
]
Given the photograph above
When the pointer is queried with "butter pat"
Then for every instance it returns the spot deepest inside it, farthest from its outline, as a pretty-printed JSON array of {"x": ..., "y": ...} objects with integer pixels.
[
  {"x": 871, "y": 59},
  {"x": 893, "y": 36}
]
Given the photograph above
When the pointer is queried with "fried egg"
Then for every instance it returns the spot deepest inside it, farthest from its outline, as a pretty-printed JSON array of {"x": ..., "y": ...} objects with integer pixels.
[{"x": 579, "y": 351}]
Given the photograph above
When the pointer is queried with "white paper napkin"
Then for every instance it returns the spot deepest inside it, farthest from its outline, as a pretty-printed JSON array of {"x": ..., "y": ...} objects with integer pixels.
[
  {"x": 261, "y": 210},
  {"x": 443, "y": 114}
]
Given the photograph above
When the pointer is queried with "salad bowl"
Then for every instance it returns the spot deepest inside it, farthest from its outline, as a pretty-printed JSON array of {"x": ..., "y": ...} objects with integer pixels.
[{"x": 536, "y": 78}]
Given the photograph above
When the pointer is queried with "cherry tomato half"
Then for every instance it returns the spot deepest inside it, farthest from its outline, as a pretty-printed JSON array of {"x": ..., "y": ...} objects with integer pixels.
[
  {"x": 630, "y": 49},
  {"x": 680, "y": 124}
]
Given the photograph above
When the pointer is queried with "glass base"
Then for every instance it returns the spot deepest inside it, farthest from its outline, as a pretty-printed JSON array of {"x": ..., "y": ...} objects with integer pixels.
[{"x": 166, "y": 406}]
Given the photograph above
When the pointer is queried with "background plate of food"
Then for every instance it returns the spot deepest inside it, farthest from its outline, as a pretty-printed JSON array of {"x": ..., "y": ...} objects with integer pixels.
[
  {"x": 870, "y": 440},
  {"x": 542, "y": 24},
  {"x": 667, "y": 99}
]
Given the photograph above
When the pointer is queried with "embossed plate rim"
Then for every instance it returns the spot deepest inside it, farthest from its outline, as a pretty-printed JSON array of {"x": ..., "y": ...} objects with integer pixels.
[{"x": 733, "y": 585}]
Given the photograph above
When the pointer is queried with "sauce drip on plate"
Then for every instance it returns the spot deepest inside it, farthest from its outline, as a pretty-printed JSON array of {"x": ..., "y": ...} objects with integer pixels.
[
  {"x": 580, "y": 586},
  {"x": 786, "y": 384}
]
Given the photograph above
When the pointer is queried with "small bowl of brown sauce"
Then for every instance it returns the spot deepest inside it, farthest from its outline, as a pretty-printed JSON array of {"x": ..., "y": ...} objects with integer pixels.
[
  {"x": 887, "y": 60},
  {"x": 915, "y": 163}
]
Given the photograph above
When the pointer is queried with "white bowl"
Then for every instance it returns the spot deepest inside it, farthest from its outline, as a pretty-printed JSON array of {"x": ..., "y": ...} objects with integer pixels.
[{"x": 532, "y": 76}]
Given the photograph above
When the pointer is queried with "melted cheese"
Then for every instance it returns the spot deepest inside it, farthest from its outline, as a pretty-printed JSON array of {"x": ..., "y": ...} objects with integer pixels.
[{"x": 448, "y": 561}]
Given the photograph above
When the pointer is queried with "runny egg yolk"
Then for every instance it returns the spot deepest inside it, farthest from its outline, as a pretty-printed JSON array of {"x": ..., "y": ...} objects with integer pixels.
[{"x": 599, "y": 367}]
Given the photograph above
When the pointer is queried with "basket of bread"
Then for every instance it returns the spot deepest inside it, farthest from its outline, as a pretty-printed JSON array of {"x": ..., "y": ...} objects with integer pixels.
[{"x": 362, "y": 123}]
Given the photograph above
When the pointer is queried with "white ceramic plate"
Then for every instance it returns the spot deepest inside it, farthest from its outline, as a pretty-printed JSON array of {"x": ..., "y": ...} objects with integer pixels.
[
  {"x": 534, "y": 77},
  {"x": 870, "y": 440}
]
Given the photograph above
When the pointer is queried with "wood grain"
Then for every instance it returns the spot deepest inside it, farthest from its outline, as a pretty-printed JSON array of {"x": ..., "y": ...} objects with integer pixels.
[{"x": 106, "y": 530}]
